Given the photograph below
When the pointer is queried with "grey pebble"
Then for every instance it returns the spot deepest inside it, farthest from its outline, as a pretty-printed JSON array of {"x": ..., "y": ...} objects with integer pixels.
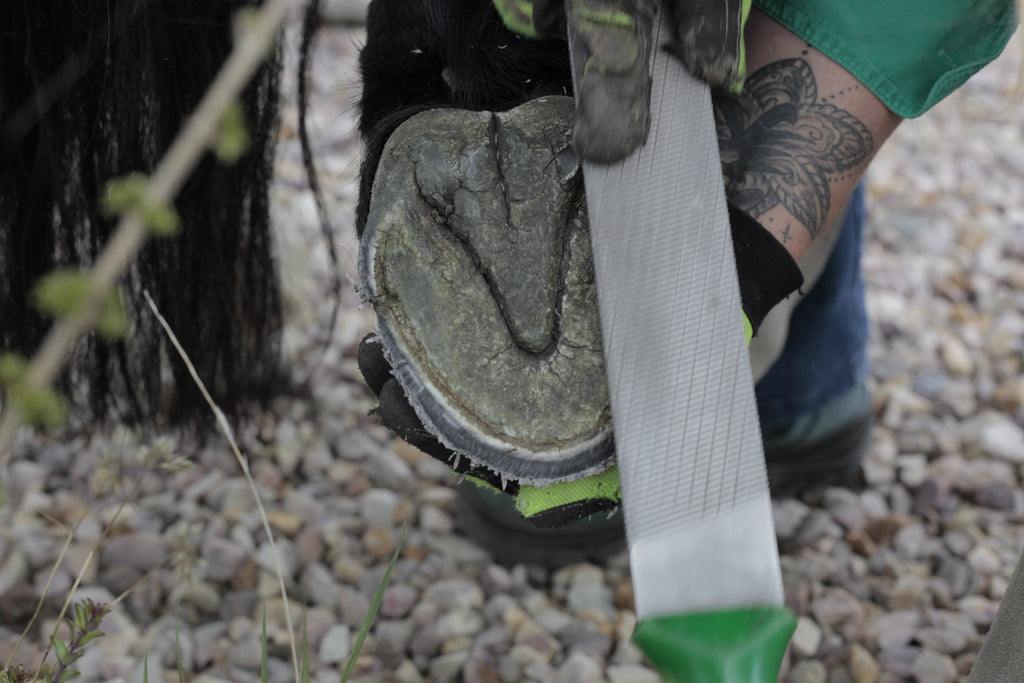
[
  {"x": 553, "y": 620},
  {"x": 353, "y": 606},
  {"x": 285, "y": 557},
  {"x": 591, "y": 595},
  {"x": 899, "y": 660},
  {"x": 458, "y": 549},
  {"x": 223, "y": 558},
  {"x": 983, "y": 559},
  {"x": 391, "y": 637},
  {"x": 136, "y": 550},
  {"x": 835, "y": 606},
  {"x": 846, "y": 507},
  {"x": 452, "y": 593},
  {"x": 579, "y": 668},
  {"x": 460, "y": 621},
  {"x": 808, "y": 671},
  {"x": 13, "y": 570},
  {"x": 910, "y": 541},
  {"x": 934, "y": 667},
  {"x": 206, "y": 637},
  {"x": 913, "y": 468},
  {"x": 398, "y": 601},
  {"x": 335, "y": 644},
  {"x": 389, "y": 470},
  {"x": 789, "y": 515},
  {"x": 318, "y": 584},
  {"x": 495, "y": 579},
  {"x": 435, "y": 520},
  {"x": 894, "y": 629},
  {"x": 1003, "y": 439},
  {"x": 447, "y": 668},
  {"x": 246, "y": 654},
  {"x": 806, "y": 638},
  {"x": 630, "y": 673},
  {"x": 538, "y": 639},
  {"x": 943, "y": 640},
  {"x": 377, "y": 507},
  {"x": 997, "y": 495}
]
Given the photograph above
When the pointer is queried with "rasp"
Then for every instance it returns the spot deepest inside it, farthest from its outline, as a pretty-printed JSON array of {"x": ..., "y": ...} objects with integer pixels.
[{"x": 698, "y": 514}]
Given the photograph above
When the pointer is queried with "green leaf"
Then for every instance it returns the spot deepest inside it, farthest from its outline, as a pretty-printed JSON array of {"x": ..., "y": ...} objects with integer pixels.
[
  {"x": 81, "y": 618},
  {"x": 128, "y": 193},
  {"x": 61, "y": 292},
  {"x": 305, "y": 676},
  {"x": 67, "y": 676},
  {"x": 145, "y": 668},
  {"x": 12, "y": 367},
  {"x": 60, "y": 648},
  {"x": 162, "y": 220},
  {"x": 90, "y": 637},
  {"x": 41, "y": 407},
  {"x": 233, "y": 139},
  {"x": 378, "y": 596},
  {"x": 124, "y": 193},
  {"x": 177, "y": 640},
  {"x": 264, "y": 670},
  {"x": 113, "y": 322}
]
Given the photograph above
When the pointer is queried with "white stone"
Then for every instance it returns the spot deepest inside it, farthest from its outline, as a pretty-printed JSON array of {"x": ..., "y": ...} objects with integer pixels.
[{"x": 336, "y": 644}]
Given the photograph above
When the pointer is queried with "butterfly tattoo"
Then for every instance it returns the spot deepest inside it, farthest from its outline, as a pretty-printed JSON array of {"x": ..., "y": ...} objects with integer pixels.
[{"x": 780, "y": 145}]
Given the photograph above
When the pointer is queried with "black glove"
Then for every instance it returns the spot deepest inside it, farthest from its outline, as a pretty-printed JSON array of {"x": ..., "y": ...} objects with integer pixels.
[{"x": 611, "y": 58}]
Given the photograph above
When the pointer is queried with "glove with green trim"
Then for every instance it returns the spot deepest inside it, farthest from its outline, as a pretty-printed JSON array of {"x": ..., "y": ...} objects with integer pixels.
[{"x": 612, "y": 55}]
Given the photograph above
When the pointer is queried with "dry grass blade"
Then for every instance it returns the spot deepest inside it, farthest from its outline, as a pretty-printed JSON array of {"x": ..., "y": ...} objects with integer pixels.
[{"x": 222, "y": 422}]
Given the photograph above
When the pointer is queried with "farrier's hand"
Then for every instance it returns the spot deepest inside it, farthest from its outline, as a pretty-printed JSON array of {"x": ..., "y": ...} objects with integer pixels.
[{"x": 612, "y": 54}]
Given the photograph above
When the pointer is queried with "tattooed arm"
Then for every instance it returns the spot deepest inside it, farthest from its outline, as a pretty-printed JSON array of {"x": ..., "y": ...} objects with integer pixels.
[{"x": 796, "y": 141}]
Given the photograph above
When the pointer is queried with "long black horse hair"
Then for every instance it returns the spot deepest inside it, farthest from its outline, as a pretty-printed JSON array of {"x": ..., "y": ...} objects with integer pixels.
[{"x": 93, "y": 90}]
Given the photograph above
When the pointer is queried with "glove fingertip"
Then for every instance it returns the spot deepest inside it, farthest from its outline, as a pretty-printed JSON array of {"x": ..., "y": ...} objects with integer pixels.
[{"x": 373, "y": 364}]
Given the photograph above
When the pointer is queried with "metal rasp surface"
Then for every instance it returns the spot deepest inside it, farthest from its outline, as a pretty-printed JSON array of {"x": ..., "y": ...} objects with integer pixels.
[{"x": 695, "y": 492}]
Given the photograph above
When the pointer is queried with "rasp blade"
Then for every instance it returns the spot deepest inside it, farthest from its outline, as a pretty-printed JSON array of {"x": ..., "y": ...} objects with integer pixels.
[{"x": 695, "y": 493}]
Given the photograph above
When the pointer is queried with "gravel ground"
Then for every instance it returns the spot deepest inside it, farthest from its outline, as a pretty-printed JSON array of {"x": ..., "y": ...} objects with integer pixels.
[{"x": 896, "y": 581}]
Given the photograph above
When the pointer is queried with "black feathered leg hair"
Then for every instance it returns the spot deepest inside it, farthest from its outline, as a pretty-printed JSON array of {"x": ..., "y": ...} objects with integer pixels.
[
  {"x": 91, "y": 91},
  {"x": 425, "y": 54}
]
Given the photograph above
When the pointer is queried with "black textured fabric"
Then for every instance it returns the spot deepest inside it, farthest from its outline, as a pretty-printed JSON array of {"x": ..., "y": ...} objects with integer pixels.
[
  {"x": 549, "y": 18},
  {"x": 562, "y": 515},
  {"x": 767, "y": 273},
  {"x": 396, "y": 413}
]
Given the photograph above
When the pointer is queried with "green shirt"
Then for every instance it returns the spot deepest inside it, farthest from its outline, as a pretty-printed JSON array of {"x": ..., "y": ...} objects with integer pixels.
[{"x": 909, "y": 54}]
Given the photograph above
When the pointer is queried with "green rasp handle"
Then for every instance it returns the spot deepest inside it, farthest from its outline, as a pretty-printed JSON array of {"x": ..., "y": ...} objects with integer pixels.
[{"x": 724, "y": 646}]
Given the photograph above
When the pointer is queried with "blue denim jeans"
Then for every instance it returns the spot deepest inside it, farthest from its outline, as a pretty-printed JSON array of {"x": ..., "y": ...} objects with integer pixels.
[{"x": 825, "y": 354}]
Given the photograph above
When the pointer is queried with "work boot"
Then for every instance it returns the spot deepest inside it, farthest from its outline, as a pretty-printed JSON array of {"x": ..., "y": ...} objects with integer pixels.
[{"x": 821, "y": 448}]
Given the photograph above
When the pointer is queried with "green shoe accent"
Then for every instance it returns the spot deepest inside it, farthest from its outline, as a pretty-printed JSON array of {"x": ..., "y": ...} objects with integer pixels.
[
  {"x": 748, "y": 329},
  {"x": 570, "y": 500},
  {"x": 727, "y": 646},
  {"x": 741, "y": 71},
  {"x": 593, "y": 18},
  {"x": 518, "y": 17}
]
